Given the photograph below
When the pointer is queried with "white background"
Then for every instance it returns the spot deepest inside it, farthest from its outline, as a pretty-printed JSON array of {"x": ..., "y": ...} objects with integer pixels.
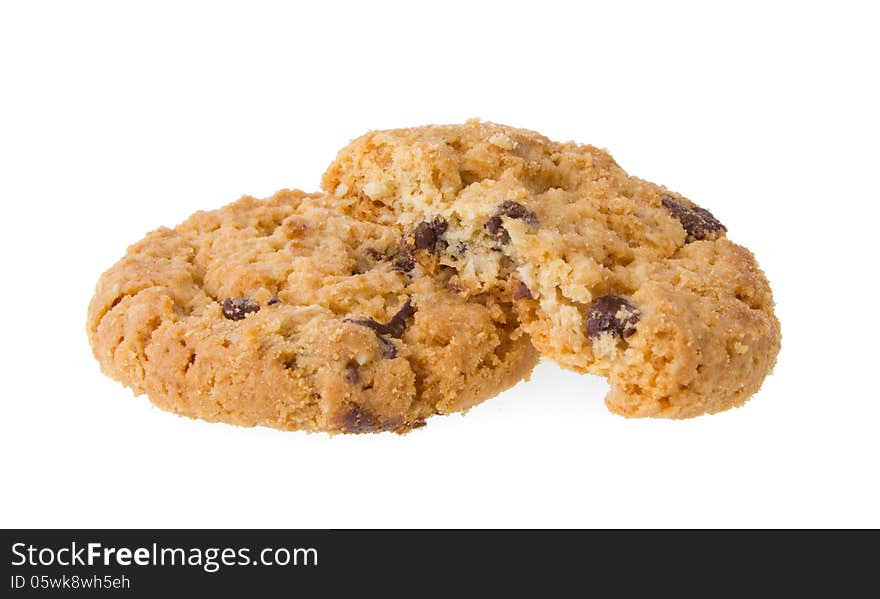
[{"x": 120, "y": 117}]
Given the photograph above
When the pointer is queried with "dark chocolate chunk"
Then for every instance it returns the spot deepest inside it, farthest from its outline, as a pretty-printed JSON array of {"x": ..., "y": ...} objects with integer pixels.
[
  {"x": 274, "y": 300},
  {"x": 236, "y": 309},
  {"x": 520, "y": 291},
  {"x": 352, "y": 374},
  {"x": 404, "y": 261},
  {"x": 613, "y": 314},
  {"x": 697, "y": 222}
]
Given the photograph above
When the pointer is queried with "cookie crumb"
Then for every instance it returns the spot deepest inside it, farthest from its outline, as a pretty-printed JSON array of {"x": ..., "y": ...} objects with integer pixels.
[
  {"x": 500, "y": 140},
  {"x": 520, "y": 291},
  {"x": 375, "y": 189}
]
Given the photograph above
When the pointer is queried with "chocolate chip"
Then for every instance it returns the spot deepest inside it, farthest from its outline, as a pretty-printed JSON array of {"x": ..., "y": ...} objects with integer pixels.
[
  {"x": 424, "y": 236},
  {"x": 236, "y": 309},
  {"x": 273, "y": 300},
  {"x": 697, "y": 222},
  {"x": 461, "y": 248},
  {"x": 520, "y": 291},
  {"x": 613, "y": 314},
  {"x": 392, "y": 328},
  {"x": 439, "y": 225},
  {"x": 386, "y": 348},
  {"x": 495, "y": 226},
  {"x": 516, "y": 210},
  {"x": 496, "y": 229},
  {"x": 397, "y": 324},
  {"x": 404, "y": 261},
  {"x": 427, "y": 234},
  {"x": 352, "y": 374},
  {"x": 360, "y": 420}
]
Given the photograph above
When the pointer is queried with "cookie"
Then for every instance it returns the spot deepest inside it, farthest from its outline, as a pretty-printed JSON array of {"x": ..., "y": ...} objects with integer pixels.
[
  {"x": 286, "y": 313},
  {"x": 610, "y": 274}
]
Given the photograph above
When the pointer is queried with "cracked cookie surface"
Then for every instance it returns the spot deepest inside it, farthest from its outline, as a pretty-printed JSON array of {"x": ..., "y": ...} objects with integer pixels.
[
  {"x": 610, "y": 274},
  {"x": 286, "y": 313}
]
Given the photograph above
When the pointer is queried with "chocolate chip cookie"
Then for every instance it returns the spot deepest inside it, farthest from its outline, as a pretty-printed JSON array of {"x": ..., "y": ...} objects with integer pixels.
[
  {"x": 287, "y": 313},
  {"x": 610, "y": 274}
]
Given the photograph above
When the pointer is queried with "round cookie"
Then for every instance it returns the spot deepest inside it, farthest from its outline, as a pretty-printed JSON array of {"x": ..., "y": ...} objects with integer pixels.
[
  {"x": 610, "y": 274},
  {"x": 286, "y": 313}
]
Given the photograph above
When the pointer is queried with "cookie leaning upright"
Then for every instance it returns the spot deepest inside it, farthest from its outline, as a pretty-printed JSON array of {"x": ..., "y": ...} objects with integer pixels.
[
  {"x": 610, "y": 274},
  {"x": 286, "y": 313}
]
